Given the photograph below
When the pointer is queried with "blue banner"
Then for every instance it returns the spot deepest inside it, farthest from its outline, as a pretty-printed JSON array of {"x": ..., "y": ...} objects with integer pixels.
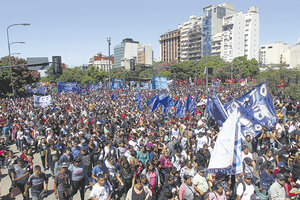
[
  {"x": 159, "y": 83},
  {"x": 116, "y": 83},
  {"x": 258, "y": 102},
  {"x": 146, "y": 86},
  {"x": 67, "y": 87}
]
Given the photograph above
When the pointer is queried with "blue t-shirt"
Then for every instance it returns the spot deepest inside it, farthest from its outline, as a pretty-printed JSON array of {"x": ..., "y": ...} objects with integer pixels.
[
  {"x": 97, "y": 171},
  {"x": 75, "y": 151},
  {"x": 266, "y": 180}
]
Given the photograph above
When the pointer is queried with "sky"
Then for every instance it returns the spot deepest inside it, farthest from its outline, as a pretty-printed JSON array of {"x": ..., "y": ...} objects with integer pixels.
[{"x": 78, "y": 29}]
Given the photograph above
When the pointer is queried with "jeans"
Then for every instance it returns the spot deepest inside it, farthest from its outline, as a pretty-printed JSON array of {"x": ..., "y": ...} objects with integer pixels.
[
  {"x": 78, "y": 185},
  {"x": 53, "y": 168},
  {"x": 20, "y": 144},
  {"x": 35, "y": 196}
]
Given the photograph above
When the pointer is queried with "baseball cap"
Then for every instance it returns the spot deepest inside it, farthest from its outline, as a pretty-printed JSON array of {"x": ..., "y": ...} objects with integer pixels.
[
  {"x": 280, "y": 176},
  {"x": 248, "y": 176},
  {"x": 64, "y": 165}
]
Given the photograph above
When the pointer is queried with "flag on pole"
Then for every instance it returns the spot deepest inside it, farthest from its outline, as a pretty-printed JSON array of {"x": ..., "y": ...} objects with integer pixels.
[
  {"x": 216, "y": 110},
  {"x": 226, "y": 155},
  {"x": 258, "y": 102}
]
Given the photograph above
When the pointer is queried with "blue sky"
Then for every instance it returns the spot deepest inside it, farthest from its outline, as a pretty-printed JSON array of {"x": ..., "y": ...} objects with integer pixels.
[{"x": 78, "y": 29}]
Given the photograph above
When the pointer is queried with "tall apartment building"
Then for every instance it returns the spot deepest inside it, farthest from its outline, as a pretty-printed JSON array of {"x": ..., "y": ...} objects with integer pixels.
[
  {"x": 145, "y": 55},
  {"x": 241, "y": 35},
  {"x": 213, "y": 22},
  {"x": 126, "y": 50},
  {"x": 102, "y": 62},
  {"x": 190, "y": 39},
  {"x": 170, "y": 46}
]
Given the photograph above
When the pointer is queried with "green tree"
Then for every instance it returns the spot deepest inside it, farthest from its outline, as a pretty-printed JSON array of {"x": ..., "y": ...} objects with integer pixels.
[
  {"x": 16, "y": 76},
  {"x": 243, "y": 68}
]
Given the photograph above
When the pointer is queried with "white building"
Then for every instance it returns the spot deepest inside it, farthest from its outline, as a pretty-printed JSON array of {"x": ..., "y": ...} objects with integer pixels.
[
  {"x": 295, "y": 55},
  {"x": 212, "y": 23},
  {"x": 101, "y": 62},
  {"x": 241, "y": 35},
  {"x": 274, "y": 54},
  {"x": 280, "y": 53},
  {"x": 148, "y": 54},
  {"x": 126, "y": 50}
]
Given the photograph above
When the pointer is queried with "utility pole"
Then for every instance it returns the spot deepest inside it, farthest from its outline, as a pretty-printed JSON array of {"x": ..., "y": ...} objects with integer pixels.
[
  {"x": 109, "y": 66},
  {"x": 206, "y": 73}
]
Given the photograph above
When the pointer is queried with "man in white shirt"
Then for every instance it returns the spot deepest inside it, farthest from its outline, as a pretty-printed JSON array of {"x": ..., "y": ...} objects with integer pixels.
[
  {"x": 245, "y": 189},
  {"x": 101, "y": 190},
  {"x": 201, "y": 140}
]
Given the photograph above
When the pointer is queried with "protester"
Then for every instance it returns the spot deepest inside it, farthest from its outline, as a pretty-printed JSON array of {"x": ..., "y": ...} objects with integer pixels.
[
  {"x": 36, "y": 183},
  {"x": 97, "y": 136},
  {"x": 276, "y": 191}
]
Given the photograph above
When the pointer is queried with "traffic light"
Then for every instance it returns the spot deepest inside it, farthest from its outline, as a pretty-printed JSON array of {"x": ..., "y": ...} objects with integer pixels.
[
  {"x": 56, "y": 61},
  {"x": 132, "y": 64},
  {"x": 143, "y": 67}
]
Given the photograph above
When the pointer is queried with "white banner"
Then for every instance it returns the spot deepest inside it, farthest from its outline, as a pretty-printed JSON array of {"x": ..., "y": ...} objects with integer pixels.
[
  {"x": 42, "y": 101},
  {"x": 227, "y": 150}
]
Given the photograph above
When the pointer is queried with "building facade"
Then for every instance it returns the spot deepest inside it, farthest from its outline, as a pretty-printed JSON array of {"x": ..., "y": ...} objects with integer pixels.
[
  {"x": 126, "y": 50},
  {"x": 145, "y": 55},
  {"x": 241, "y": 35},
  {"x": 280, "y": 53},
  {"x": 102, "y": 62},
  {"x": 170, "y": 46},
  {"x": 213, "y": 22},
  {"x": 190, "y": 39},
  {"x": 275, "y": 54}
]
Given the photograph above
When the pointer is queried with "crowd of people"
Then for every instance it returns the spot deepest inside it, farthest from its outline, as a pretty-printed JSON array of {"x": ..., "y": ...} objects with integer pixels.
[{"x": 114, "y": 150}]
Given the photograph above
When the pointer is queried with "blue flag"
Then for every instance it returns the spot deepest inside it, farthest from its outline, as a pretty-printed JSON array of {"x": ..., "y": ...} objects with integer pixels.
[
  {"x": 178, "y": 107},
  {"x": 216, "y": 110},
  {"x": 188, "y": 102},
  {"x": 138, "y": 97},
  {"x": 149, "y": 102},
  {"x": 139, "y": 106},
  {"x": 249, "y": 124},
  {"x": 113, "y": 97},
  {"x": 258, "y": 102}
]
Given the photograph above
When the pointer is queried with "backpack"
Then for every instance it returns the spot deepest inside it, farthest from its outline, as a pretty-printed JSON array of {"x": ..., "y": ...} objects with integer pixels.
[{"x": 234, "y": 195}]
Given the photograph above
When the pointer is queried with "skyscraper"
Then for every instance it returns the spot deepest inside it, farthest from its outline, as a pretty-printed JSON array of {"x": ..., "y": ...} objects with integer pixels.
[{"x": 126, "y": 50}]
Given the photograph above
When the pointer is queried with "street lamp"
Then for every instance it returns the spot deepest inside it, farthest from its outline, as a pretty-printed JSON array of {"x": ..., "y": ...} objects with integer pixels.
[
  {"x": 9, "y": 54},
  {"x": 108, "y": 40}
]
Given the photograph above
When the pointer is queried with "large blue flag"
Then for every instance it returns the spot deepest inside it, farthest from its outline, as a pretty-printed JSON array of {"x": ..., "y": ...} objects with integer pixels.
[
  {"x": 149, "y": 102},
  {"x": 157, "y": 101},
  {"x": 216, "y": 110},
  {"x": 167, "y": 103},
  {"x": 258, "y": 102}
]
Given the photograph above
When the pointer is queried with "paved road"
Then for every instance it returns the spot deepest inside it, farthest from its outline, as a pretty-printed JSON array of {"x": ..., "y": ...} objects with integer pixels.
[{"x": 6, "y": 183}]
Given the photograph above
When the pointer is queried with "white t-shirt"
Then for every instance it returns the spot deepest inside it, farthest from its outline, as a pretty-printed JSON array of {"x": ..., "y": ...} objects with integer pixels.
[
  {"x": 100, "y": 192},
  {"x": 201, "y": 141},
  {"x": 249, "y": 190},
  {"x": 249, "y": 155}
]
